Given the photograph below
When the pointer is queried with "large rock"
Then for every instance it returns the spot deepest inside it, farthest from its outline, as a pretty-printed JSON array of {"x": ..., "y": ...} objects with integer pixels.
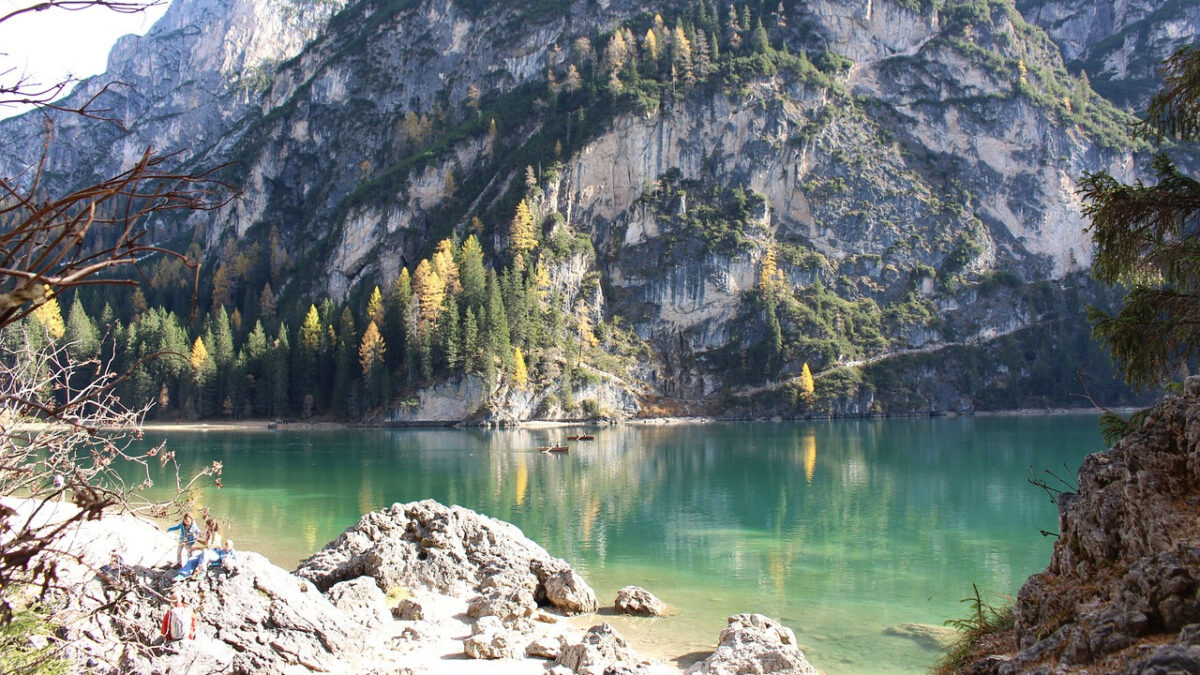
[
  {"x": 362, "y": 601},
  {"x": 491, "y": 640},
  {"x": 1125, "y": 570},
  {"x": 601, "y": 650},
  {"x": 260, "y": 620},
  {"x": 454, "y": 550},
  {"x": 753, "y": 643},
  {"x": 638, "y": 601}
]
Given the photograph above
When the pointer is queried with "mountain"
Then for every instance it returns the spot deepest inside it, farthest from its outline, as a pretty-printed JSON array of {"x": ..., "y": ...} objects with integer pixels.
[
  {"x": 1118, "y": 44},
  {"x": 723, "y": 196}
]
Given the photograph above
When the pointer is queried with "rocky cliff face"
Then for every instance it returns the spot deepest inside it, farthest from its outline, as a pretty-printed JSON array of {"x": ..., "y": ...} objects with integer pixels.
[
  {"x": 181, "y": 88},
  {"x": 1118, "y": 44},
  {"x": 918, "y": 189},
  {"x": 1121, "y": 591}
]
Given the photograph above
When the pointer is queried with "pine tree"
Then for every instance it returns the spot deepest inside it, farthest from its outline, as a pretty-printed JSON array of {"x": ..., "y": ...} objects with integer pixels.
[
  {"x": 470, "y": 342},
  {"x": 83, "y": 339},
  {"x": 496, "y": 337},
  {"x": 346, "y": 370},
  {"x": 1146, "y": 240},
  {"x": 266, "y": 306},
  {"x": 472, "y": 275},
  {"x": 759, "y": 44},
  {"x": 280, "y": 360},
  {"x": 449, "y": 338},
  {"x": 703, "y": 58}
]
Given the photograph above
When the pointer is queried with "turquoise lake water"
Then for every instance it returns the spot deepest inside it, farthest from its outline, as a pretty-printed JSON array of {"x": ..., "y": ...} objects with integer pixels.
[{"x": 841, "y": 529}]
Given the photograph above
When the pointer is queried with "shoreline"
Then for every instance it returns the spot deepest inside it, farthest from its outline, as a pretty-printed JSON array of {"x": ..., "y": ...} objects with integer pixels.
[{"x": 325, "y": 425}]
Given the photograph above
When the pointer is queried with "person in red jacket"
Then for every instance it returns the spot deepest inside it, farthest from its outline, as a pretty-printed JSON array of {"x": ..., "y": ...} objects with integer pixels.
[{"x": 179, "y": 623}]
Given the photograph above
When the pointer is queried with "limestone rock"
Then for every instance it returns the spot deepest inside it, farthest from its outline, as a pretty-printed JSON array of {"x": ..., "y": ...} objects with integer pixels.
[
  {"x": 600, "y": 649},
  {"x": 261, "y": 619},
  {"x": 361, "y": 600},
  {"x": 509, "y": 605},
  {"x": 926, "y": 635},
  {"x": 450, "y": 549},
  {"x": 408, "y": 610},
  {"x": 753, "y": 643},
  {"x": 544, "y": 648},
  {"x": 639, "y": 602},
  {"x": 1126, "y": 564},
  {"x": 490, "y": 640}
]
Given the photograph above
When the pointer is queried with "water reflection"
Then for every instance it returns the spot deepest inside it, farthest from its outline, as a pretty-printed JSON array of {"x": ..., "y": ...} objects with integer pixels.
[{"x": 891, "y": 522}]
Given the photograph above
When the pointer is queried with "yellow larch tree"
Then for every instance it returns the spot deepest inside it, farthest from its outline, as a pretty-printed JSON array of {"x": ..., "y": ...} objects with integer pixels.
[
  {"x": 807, "y": 387},
  {"x": 522, "y": 233},
  {"x": 430, "y": 290},
  {"x": 375, "y": 306},
  {"x": 520, "y": 373},
  {"x": 371, "y": 350},
  {"x": 49, "y": 314},
  {"x": 446, "y": 268}
]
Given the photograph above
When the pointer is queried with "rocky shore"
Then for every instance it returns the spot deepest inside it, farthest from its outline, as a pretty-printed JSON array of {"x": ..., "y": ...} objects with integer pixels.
[
  {"x": 413, "y": 588},
  {"x": 1122, "y": 591}
]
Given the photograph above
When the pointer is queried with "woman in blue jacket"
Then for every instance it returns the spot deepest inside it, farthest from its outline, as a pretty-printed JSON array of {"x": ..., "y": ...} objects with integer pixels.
[{"x": 189, "y": 533}]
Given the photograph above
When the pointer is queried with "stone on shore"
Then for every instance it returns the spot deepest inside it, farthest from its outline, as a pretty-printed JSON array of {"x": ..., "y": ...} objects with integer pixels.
[
  {"x": 491, "y": 640},
  {"x": 638, "y": 601},
  {"x": 753, "y": 643},
  {"x": 362, "y": 601},
  {"x": 601, "y": 650},
  {"x": 453, "y": 550}
]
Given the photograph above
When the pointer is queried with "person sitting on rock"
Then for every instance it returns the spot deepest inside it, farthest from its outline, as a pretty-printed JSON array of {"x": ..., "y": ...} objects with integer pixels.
[
  {"x": 189, "y": 534},
  {"x": 179, "y": 623},
  {"x": 212, "y": 533},
  {"x": 224, "y": 558},
  {"x": 229, "y": 561}
]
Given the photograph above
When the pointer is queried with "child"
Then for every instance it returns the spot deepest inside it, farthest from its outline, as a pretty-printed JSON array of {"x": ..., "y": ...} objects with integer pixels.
[
  {"x": 188, "y": 534},
  {"x": 212, "y": 533},
  {"x": 179, "y": 623}
]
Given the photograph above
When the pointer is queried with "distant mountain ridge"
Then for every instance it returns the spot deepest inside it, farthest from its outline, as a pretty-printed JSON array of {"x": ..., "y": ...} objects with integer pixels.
[{"x": 903, "y": 171}]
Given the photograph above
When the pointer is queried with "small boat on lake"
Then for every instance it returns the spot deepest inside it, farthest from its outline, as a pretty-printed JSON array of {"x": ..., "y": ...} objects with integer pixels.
[
  {"x": 582, "y": 437},
  {"x": 554, "y": 448}
]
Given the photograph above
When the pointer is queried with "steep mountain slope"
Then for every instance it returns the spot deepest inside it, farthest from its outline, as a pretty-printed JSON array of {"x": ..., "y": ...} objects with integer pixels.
[
  {"x": 1119, "y": 44},
  {"x": 723, "y": 196}
]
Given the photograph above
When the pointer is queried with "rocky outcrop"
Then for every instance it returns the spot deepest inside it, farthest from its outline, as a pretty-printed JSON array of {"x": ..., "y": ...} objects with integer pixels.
[
  {"x": 453, "y": 550},
  {"x": 362, "y": 601},
  {"x": 600, "y": 651},
  {"x": 753, "y": 643},
  {"x": 260, "y": 619},
  {"x": 1119, "y": 44},
  {"x": 1122, "y": 591},
  {"x": 638, "y": 601}
]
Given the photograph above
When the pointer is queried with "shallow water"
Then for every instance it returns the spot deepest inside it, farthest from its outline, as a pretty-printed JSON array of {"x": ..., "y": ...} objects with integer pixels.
[{"x": 841, "y": 529}]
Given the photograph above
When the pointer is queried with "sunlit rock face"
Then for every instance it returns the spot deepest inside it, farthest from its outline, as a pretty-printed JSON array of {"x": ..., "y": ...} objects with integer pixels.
[
  {"x": 1119, "y": 44},
  {"x": 926, "y": 187}
]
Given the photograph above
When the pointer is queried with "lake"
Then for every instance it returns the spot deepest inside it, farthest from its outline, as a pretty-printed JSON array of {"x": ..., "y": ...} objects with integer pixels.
[{"x": 842, "y": 529}]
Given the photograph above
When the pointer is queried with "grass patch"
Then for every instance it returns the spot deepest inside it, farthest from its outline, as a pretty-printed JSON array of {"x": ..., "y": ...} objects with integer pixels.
[{"x": 987, "y": 629}]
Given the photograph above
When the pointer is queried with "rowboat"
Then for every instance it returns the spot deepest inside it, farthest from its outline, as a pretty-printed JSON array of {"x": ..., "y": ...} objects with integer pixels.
[
  {"x": 582, "y": 437},
  {"x": 554, "y": 448}
]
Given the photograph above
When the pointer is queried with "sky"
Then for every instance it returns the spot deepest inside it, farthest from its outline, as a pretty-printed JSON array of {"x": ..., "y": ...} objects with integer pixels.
[{"x": 55, "y": 44}]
